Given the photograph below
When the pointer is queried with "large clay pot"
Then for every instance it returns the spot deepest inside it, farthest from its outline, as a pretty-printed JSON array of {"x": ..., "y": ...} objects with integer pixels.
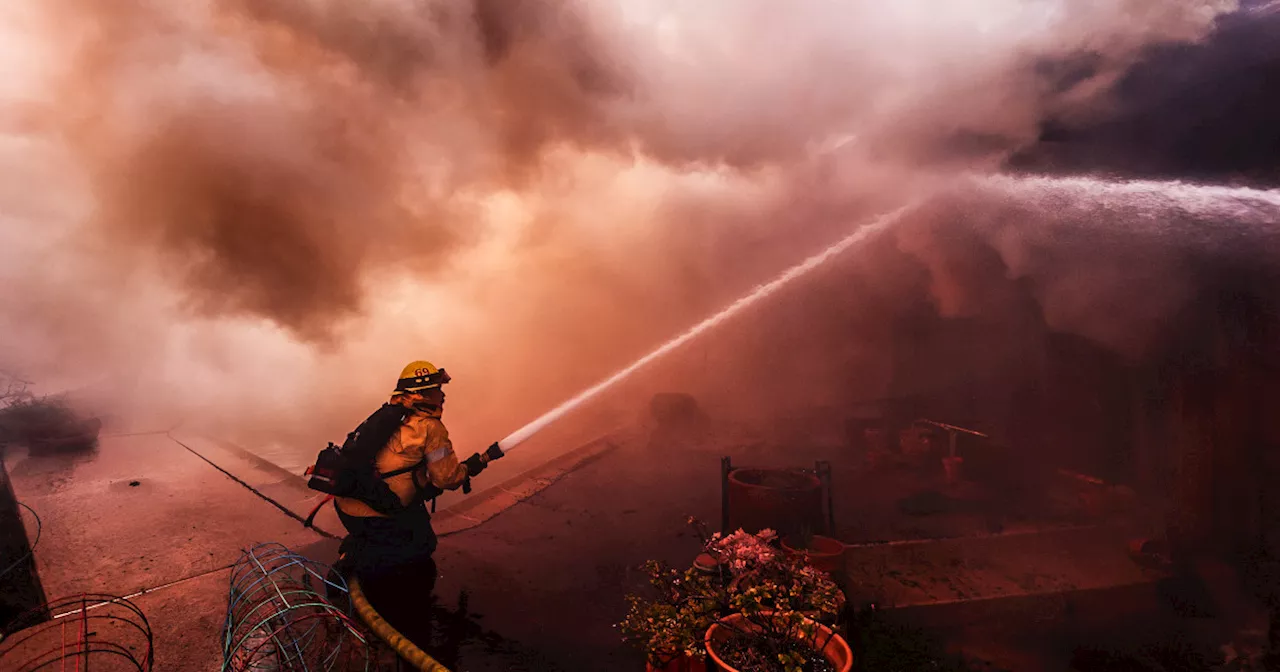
[
  {"x": 786, "y": 501},
  {"x": 836, "y": 650},
  {"x": 824, "y": 553},
  {"x": 682, "y": 664}
]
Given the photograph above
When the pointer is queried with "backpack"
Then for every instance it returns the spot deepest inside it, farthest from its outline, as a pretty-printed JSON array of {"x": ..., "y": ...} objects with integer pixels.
[{"x": 350, "y": 470}]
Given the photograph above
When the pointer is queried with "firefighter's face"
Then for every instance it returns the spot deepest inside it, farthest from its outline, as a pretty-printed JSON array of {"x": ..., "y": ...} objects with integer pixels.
[{"x": 434, "y": 396}]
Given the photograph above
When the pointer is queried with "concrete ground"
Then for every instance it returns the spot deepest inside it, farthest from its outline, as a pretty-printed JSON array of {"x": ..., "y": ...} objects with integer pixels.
[
  {"x": 546, "y": 579},
  {"x": 141, "y": 517},
  {"x": 533, "y": 572},
  {"x": 159, "y": 518}
]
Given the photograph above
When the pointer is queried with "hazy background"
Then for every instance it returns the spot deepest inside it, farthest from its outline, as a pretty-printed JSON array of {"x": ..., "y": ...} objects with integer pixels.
[{"x": 248, "y": 216}]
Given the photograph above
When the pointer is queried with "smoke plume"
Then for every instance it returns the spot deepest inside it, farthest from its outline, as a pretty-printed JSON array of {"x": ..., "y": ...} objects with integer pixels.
[
  {"x": 251, "y": 214},
  {"x": 1199, "y": 110}
]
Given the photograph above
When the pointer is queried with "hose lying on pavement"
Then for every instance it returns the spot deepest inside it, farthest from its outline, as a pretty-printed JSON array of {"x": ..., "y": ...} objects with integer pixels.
[{"x": 398, "y": 642}]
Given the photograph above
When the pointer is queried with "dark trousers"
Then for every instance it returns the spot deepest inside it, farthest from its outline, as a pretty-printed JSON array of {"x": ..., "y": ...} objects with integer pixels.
[
  {"x": 378, "y": 545},
  {"x": 392, "y": 558}
]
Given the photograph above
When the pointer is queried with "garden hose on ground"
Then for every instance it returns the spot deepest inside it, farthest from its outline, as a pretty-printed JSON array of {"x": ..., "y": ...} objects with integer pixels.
[{"x": 398, "y": 642}]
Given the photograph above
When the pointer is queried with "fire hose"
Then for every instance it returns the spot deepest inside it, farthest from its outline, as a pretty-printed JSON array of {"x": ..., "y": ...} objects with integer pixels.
[{"x": 388, "y": 633}]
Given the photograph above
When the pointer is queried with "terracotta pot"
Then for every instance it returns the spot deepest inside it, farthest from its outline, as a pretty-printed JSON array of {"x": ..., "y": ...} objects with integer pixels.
[
  {"x": 836, "y": 650},
  {"x": 824, "y": 553},
  {"x": 783, "y": 500},
  {"x": 685, "y": 663}
]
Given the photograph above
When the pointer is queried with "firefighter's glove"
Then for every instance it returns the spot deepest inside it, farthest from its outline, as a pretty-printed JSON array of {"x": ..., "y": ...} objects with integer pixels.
[
  {"x": 475, "y": 464},
  {"x": 494, "y": 452}
]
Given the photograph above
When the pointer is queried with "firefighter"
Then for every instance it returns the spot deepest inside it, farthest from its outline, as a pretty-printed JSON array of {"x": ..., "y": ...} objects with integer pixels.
[{"x": 418, "y": 463}]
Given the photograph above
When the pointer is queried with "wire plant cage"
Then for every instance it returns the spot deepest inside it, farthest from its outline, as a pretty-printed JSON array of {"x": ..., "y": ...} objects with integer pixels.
[
  {"x": 84, "y": 632},
  {"x": 282, "y": 616}
]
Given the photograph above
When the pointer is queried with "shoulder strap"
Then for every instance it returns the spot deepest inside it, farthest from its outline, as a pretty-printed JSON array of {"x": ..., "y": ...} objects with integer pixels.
[
  {"x": 402, "y": 470},
  {"x": 387, "y": 414},
  {"x": 364, "y": 443}
]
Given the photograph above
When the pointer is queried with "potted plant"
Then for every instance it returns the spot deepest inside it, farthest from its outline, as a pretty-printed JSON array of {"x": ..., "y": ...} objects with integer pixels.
[
  {"x": 670, "y": 625},
  {"x": 754, "y": 640},
  {"x": 776, "y": 603},
  {"x": 738, "y": 577}
]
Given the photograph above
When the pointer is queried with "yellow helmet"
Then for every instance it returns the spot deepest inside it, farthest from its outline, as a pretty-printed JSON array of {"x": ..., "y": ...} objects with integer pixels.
[{"x": 421, "y": 375}]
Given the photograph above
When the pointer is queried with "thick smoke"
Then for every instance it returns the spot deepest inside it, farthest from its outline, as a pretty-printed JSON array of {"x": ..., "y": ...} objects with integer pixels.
[
  {"x": 252, "y": 213},
  {"x": 278, "y": 154},
  {"x": 1112, "y": 261},
  {"x": 1203, "y": 110}
]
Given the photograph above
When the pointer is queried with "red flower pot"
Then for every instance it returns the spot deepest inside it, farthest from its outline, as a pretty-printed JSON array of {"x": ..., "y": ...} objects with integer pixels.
[
  {"x": 834, "y": 648},
  {"x": 824, "y": 553},
  {"x": 954, "y": 469}
]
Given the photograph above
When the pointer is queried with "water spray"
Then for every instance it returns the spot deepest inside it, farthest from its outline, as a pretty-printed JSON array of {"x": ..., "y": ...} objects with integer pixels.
[
  {"x": 760, "y": 292},
  {"x": 1223, "y": 200},
  {"x": 1188, "y": 196}
]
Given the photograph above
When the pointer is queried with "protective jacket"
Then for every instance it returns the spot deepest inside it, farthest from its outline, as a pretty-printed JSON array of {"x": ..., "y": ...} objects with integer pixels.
[{"x": 421, "y": 440}]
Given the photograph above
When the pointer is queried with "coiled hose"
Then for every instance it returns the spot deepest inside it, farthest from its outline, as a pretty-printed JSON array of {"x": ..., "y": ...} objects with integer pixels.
[{"x": 398, "y": 642}]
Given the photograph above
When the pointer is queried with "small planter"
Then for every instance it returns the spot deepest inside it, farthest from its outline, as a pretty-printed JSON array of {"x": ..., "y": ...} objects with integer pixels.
[
  {"x": 685, "y": 663},
  {"x": 823, "y": 554},
  {"x": 835, "y": 648},
  {"x": 954, "y": 468}
]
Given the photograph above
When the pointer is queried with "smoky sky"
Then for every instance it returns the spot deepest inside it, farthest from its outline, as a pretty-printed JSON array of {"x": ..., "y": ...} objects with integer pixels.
[
  {"x": 282, "y": 158},
  {"x": 291, "y": 196},
  {"x": 1203, "y": 111},
  {"x": 263, "y": 150}
]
